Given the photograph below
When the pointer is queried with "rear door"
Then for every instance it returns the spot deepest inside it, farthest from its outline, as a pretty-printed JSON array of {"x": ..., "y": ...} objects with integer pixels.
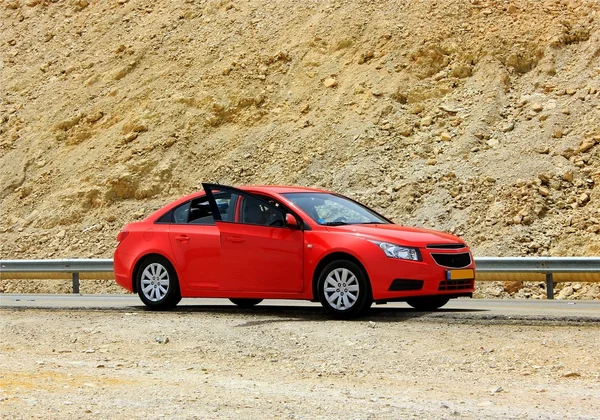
[
  {"x": 196, "y": 241},
  {"x": 259, "y": 253}
]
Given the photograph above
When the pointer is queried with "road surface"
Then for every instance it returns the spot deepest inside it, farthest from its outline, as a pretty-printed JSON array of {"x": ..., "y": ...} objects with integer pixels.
[{"x": 552, "y": 311}]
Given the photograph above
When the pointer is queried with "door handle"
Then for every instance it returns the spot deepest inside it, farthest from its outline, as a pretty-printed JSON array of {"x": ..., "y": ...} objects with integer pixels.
[
  {"x": 236, "y": 239},
  {"x": 182, "y": 238}
]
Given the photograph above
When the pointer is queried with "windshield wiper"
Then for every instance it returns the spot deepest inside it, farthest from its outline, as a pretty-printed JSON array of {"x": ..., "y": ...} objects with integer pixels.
[
  {"x": 335, "y": 223},
  {"x": 371, "y": 223}
]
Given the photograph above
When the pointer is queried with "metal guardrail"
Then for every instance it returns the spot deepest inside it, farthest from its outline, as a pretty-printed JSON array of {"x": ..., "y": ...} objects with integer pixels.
[
  {"x": 74, "y": 269},
  {"x": 549, "y": 269}
]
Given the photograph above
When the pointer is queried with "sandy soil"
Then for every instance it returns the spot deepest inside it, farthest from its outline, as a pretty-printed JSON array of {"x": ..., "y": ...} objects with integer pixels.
[{"x": 291, "y": 363}]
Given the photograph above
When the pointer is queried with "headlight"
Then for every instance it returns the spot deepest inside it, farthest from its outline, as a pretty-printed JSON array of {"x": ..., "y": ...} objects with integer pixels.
[{"x": 400, "y": 252}]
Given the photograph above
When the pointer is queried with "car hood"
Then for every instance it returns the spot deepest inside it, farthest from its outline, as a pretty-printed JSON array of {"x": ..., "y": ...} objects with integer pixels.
[{"x": 401, "y": 235}]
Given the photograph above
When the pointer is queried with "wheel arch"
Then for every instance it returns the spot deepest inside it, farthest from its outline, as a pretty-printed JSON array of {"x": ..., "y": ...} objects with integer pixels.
[
  {"x": 339, "y": 255},
  {"x": 139, "y": 263}
]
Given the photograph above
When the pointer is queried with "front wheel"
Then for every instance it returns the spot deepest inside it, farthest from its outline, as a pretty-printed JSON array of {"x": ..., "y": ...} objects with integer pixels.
[
  {"x": 344, "y": 289},
  {"x": 245, "y": 303},
  {"x": 157, "y": 284},
  {"x": 427, "y": 303}
]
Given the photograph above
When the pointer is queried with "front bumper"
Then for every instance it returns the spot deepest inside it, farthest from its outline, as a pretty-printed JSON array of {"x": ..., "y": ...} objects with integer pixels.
[{"x": 395, "y": 279}]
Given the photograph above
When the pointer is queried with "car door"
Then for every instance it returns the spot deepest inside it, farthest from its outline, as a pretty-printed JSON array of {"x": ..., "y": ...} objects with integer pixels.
[
  {"x": 259, "y": 253},
  {"x": 196, "y": 241}
]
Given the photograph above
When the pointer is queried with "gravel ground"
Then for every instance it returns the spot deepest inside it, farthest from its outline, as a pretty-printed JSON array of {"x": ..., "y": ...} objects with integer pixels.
[{"x": 291, "y": 363}]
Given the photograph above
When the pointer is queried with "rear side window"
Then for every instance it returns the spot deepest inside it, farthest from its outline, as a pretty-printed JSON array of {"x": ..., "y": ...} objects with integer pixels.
[
  {"x": 181, "y": 213},
  {"x": 199, "y": 212}
]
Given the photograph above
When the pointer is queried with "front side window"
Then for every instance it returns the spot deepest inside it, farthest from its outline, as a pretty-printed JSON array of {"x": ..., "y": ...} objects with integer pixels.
[
  {"x": 258, "y": 212},
  {"x": 334, "y": 210}
]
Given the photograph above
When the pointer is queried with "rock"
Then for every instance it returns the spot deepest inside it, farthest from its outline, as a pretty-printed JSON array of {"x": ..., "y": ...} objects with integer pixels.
[
  {"x": 557, "y": 134},
  {"x": 445, "y": 136},
  {"x": 497, "y": 390},
  {"x": 544, "y": 178},
  {"x": 426, "y": 121},
  {"x": 566, "y": 292},
  {"x": 461, "y": 71},
  {"x": 61, "y": 234},
  {"x": 130, "y": 137},
  {"x": 416, "y": 109},
  {"x": 586, "y": 145},
  {"x": 571, "y": 375},
  {"x": 536, "y": 107},
  {"x": 568, "y": 176},
  {"x": 544, "y": 192},
  {"x": 509, "y": 126},
  {"x": 94, "y": 117},
  {"x": 450, "y": 108},
  {"x": 431, "y": 161},
  {"x": 512, "y": 287},
  {"x": 493, "y": 142},
  {"x": 404, "y": 129},
  {"x": 365, "y": 57},
  {"x": 133, "y": 126},
  {"x": 330, "y": 82}
]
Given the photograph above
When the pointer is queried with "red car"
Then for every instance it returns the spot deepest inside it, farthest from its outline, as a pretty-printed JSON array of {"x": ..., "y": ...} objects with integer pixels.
[{"x": 253, "y": 243}]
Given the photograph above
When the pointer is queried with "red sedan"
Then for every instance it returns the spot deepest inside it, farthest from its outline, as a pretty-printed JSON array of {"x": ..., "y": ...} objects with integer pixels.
[{"x": 253, "y": 243}]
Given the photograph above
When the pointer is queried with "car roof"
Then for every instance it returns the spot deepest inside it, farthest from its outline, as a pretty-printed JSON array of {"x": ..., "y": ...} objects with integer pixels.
[
  {"x": 279, "y": 189},
  {"x": 267, "y": 189}
]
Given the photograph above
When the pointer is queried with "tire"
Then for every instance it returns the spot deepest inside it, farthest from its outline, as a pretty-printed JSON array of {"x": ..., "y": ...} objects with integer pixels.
[
  {"x": 427, "y": 303},
  {"x": 344, "y": 290},
  {"x": 245, "y": 303},
  {"x": 157, "y": 284}
]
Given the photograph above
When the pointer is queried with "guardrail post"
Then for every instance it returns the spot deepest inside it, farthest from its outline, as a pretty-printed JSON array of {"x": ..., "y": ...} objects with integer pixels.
[
  {"x": 549, "y": 286},
  {"x": 76, "y": 283}
]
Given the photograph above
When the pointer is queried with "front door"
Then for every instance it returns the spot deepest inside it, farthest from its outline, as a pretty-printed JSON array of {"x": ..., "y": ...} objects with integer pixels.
[{"x": 259, "y": 253}]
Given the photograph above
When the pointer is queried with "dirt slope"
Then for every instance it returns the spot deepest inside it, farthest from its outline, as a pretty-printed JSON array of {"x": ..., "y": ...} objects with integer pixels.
[{"x": 480, "y": 118}]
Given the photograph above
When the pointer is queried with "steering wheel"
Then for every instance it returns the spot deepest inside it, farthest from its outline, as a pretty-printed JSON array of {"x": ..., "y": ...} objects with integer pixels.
[{"x": 273, "y": 220}]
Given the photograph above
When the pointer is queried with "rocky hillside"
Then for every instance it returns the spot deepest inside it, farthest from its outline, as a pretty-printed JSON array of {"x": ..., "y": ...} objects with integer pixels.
[{"x": 476, "y": 117}]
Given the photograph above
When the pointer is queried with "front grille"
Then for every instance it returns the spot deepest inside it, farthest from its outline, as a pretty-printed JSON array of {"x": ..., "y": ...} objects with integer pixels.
[
  {"x": 446, "y": 246},
  {"x": 456, "y": 285},
  {"x": 453, "y": 260}
]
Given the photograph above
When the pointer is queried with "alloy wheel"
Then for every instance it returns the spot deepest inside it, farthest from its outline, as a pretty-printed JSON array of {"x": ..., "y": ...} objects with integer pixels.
[
  {"x": 155, "y": 282},
  {"x": 341, "y": 289}
]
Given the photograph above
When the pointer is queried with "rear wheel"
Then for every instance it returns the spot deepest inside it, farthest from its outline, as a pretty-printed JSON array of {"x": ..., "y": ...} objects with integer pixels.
[
  {"x": 157, "y": 284},
  {"x": 245, "y": 303},
  {"x": 344, "y": 289},
  {"x": 427, "y": 303}
]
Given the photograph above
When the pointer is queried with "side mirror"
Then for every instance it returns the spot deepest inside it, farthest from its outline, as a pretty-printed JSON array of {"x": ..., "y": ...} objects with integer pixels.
[{"x": 291, "y": 221}]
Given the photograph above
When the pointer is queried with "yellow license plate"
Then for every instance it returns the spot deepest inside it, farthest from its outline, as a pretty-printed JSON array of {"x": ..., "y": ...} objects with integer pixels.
[{"x": 466, "y": 274}]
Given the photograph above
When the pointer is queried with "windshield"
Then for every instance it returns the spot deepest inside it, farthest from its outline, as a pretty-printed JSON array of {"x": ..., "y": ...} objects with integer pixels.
[{"x": 334, "y": 210}]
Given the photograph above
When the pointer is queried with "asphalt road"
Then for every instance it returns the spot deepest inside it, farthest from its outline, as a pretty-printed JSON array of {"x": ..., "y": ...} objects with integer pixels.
[{"x": 458, "y": 310}]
